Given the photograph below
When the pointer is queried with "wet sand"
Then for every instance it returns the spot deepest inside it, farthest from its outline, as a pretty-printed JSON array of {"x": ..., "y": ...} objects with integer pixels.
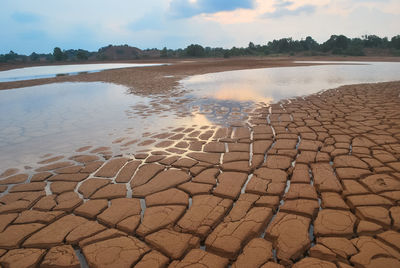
[{"x": 310, "y": 181}]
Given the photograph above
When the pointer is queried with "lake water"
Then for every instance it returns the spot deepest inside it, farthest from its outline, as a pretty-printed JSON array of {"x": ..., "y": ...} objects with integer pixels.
[
  {"x": 38, "y": 72},
  {"x": 274, "y": 84},
  {"x": 59, "y": 118}
]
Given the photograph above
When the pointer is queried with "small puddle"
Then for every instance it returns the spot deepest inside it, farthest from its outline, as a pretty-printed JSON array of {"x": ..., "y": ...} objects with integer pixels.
[
  {"x": 81, "y": 258},
  {"x": 190, "y": 202},
  {"x": 143, "y": 208},
  {"x": 243, "y": 190},
  {"x": 311, "y": 234}
]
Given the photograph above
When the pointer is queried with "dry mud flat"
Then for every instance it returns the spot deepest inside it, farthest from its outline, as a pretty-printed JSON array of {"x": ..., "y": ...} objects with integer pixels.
[{"x": 314, "y": 182}]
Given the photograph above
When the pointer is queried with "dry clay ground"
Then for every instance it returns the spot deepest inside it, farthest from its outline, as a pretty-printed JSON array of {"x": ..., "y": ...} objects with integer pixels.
[{"x": 311, "y": 182}]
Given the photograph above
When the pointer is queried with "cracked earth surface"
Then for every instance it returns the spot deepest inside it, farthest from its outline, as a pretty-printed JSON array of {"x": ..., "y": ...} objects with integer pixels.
[{"x": 307, "y": 182}]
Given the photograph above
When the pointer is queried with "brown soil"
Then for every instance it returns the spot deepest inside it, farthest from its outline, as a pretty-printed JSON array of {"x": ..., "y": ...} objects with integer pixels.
[{"x": 242, "y": 194}]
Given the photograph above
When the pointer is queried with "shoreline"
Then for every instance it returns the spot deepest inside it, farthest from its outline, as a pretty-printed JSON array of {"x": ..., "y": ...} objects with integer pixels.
[
  {"x": 17, "y": 65},
  {"x": 161, "y": 79}
]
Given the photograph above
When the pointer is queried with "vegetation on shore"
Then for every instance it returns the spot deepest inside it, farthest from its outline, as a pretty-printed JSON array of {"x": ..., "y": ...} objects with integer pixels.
[{"x": 371, "y": 45}]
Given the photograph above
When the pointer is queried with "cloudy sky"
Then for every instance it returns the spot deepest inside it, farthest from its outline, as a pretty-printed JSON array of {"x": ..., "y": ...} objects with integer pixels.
[{"x": 40, "y": 25}]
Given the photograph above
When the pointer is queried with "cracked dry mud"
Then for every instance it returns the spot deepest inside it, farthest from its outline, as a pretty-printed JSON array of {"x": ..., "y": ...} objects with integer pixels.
[{"x": 307, "y": 182}]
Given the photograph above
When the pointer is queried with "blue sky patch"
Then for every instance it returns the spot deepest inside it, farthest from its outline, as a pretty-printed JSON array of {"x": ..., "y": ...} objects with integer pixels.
[
  {"x": 187, "y": 8},
  {"x": 25, "y": 17}
]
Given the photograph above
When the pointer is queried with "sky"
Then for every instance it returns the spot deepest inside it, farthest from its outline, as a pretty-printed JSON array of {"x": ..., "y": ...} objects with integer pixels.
[{"x": 28, "y": 26}]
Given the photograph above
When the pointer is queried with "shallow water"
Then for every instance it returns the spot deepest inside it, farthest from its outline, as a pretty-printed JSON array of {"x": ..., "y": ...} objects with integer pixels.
[
  {"x": 59, "y": 118},
  {"x": 38, "y": 72},
  {"x": 56, "y": 117},
  {"x": 274, "y": 84}
]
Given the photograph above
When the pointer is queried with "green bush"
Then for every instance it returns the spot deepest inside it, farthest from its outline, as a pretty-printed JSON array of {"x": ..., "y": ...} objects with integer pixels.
[
  {"x": 34, "y": 57},
  {"x": 395, "y": 42},
  {"x": 58, "y": 54},
  {"x": 227, "y": 54},
  {"x": 164, "y": 53},
  {"x": 82, "y": 55},
  {"x": 337, "y": 51},
  {"x": 195, "y": 51},
  {"x": 355, "y": 51}
]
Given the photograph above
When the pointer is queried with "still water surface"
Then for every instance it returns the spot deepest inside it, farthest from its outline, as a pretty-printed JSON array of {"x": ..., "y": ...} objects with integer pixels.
[
  {"x": 59, "y": 118},
  {"x": 274, "y": 84},
  {"x": 38, "y": 72}
]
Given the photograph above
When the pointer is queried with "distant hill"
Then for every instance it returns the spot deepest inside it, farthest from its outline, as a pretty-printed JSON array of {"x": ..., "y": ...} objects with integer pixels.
[{"x": 124, "y": 52}]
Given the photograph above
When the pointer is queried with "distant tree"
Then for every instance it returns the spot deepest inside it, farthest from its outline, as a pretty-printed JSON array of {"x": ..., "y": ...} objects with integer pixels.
[
  {"x": 234, "y": 51},
  {"x": 337, "y": 43},
  {"x": 82, "y": 54},
  {"x": 195, "y": 51},
  {"x": 227, "y": 54},
  {"x": 284, "y": 45},
  {"x": 101, "y": 56},
  {"x": 355, "y": 47},
  {"x": 180, "y": 52},
  {"x": 251, "y": 49},
  {"x": 11, "y": 56},
  {"x": 251, "y": 46},
  {"x": 49, "y": 57},
  {"x": 34, "y": 56},
  {"x": 309, "y": 44},
  {"x": 209, "y": 52},
  {"x": 354, "y": 50},
  {"x": 385, "y": 42},
  {"x": 58, "y": 54},
  {"x": 164, "y": 53},
  {"x": 218, "y": 52},
  {"x": 372, "y": 41},
  {"x": 395, "y": 42},
  {"x": 341, "y": 41}
]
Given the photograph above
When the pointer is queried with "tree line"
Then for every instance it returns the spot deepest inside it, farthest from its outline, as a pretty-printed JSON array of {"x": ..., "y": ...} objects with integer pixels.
[
  {"x": 335, "y": 45},
  {"x": 57, "y": 55}
]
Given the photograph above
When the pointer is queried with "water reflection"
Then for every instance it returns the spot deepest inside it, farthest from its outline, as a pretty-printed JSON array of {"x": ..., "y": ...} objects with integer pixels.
[
  {"x": 274, "y": 84},
  {"x": 61, "y": 117},
  {"x": 63, "y": 70},
  {"x": 220, "y": 112},
  {"x": 239, "y": 93}
]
